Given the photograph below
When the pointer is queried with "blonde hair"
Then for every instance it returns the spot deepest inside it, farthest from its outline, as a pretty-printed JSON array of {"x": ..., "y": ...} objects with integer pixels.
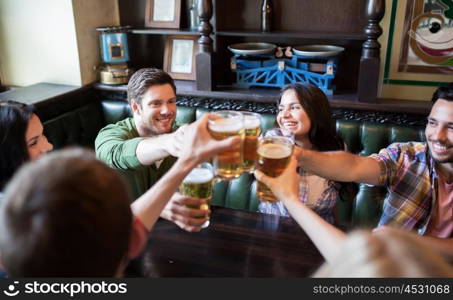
[{"x": 390, "y": 253}]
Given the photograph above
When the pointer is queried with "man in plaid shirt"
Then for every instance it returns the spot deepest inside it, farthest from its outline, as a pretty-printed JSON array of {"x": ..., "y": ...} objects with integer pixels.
[{"x": 419, "y": 177}]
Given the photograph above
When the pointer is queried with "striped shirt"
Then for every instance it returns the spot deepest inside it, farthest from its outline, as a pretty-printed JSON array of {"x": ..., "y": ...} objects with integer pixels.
[{"x": 407, "y": 170}]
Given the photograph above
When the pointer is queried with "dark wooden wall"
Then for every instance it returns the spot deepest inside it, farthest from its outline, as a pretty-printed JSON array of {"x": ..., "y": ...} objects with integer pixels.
[
  {"x": 335, "y": 22},
  {"x": 298, "y": 15}
]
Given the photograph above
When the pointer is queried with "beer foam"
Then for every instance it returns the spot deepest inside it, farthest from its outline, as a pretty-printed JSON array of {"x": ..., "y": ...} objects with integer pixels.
[
  {"x": 199, "y": 175},
  {"x": 225, "y": 125},
  {"x": 274, "y": 151},
  {"x": 251, "y": 122}
]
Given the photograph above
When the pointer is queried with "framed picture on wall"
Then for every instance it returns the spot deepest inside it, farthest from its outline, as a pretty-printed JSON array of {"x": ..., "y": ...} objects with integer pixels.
[
  {"x": 179, "y": 57},
  {"x": 420, "y": 49},
  {"x": 163, "y": 13},
  {"x": 427, "y": 45}
]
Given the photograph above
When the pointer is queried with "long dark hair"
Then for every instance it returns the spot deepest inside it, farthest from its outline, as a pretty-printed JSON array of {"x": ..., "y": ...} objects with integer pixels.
[
  {"x": 322, "y": 133},
  {"x": 14, "y": 118}
]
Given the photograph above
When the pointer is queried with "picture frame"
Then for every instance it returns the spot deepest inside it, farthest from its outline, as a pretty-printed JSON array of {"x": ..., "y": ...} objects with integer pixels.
[
  {"x": 179, "y": 56},
  {"x": 163, "y": 13},
  {"x": 413, "y": 58},
  {"x": 403, "y": 65}
]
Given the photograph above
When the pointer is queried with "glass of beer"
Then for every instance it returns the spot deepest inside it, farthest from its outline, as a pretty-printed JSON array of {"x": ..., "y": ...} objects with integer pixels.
[
  {"x": 198, "y": 184},
  {"x": 252, "y": 128},
  {"x": 274, "y": 153},
  {"x": 223, "y": 124}
]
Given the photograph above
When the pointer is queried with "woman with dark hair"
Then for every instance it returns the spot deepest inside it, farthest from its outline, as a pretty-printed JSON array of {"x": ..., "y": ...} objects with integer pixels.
[
  {"x": 304, "y": 110},
  {"x": 21, "y": 138}
]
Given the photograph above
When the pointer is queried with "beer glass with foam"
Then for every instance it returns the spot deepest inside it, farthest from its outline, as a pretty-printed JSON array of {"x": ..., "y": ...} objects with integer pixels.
[
  {"x": 223, "y": 124},
  {"x": 252, "y": 129},
  {"x": 274, "y": 152},
  {"x": 198, "y": 184}
]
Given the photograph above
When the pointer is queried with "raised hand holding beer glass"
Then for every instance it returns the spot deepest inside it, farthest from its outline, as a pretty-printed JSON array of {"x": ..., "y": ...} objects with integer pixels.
[
  {"x": 198, "y": 184},
  {"x": 221, "y": 125},
  {"x": 252, "y": 128},
  {"x": 274, "y": 153},
  {"x": 198, "y": 146}
]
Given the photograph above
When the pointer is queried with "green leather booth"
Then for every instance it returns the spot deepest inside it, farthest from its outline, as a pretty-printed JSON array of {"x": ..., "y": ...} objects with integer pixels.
[{"x": 81, "y": 125}]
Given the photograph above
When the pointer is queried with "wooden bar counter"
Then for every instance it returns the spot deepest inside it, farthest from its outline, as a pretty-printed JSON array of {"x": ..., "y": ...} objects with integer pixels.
[{"x": 236, "y": 244}]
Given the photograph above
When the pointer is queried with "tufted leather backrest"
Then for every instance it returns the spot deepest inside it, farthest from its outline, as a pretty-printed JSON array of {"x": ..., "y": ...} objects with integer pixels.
[
  {"x": 365, "y": 138},
  {"x": 76, "y": 127},
  {"x": 80, "y": 127}
]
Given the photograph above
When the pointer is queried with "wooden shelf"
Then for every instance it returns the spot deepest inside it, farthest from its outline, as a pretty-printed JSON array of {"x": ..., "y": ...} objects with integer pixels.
[
  {"x": 295, "y": 22},
  {"x": 164, "y": 31},
  {"x": 257, "y": 33},
  {"x": 346, "y": 100},
  {"x": 294, "y": 34}
]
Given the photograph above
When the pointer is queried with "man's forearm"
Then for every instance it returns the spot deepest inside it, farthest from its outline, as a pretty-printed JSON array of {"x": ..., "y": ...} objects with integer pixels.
[
  {"x": 340, "y": 166},
  {"x": 152, "y": 149}
]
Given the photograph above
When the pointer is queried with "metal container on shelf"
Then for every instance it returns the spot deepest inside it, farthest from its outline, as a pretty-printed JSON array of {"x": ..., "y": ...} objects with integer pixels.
[
  {"x": 115, "y": 74},
  {"x": 113, "y": 41},
  {"x": 115, "y": 54},
  {"x": 259, "y": 64}
]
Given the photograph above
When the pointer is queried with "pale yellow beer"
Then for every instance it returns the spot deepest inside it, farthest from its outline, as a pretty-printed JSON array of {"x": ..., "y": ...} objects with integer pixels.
[
  {"x": 252, "y": 128},
  {"x": 274, "y": 153},
  {"x": 198, "y": 184},
  {"x": 228, "y": 164}
]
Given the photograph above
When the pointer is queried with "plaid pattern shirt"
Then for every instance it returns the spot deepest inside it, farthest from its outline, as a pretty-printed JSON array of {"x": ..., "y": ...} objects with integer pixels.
[
  {"x": 407, "y": 170},
  {"x": 324, "y": 206}
]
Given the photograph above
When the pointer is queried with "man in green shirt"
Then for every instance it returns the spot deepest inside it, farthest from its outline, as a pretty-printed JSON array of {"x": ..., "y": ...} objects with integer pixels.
[{"x": 143, "y": 148}]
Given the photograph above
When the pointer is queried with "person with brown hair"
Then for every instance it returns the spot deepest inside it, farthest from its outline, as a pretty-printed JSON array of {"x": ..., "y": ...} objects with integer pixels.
[
  {"x": 77, "y": 220},
  {"x": 143, "y": 148},
  {"x": 303, "y": 109}
]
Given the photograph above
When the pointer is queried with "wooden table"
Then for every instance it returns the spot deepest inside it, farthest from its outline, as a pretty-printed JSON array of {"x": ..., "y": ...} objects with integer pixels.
[{"x": 236, "y": 244}]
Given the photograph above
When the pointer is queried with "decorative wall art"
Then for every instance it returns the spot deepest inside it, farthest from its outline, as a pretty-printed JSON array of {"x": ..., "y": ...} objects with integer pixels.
[{"x": 423, "y": 51}]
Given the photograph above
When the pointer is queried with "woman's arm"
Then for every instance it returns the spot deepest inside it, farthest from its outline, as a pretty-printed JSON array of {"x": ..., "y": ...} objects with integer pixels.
[{"x": 326, "y": 237}]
